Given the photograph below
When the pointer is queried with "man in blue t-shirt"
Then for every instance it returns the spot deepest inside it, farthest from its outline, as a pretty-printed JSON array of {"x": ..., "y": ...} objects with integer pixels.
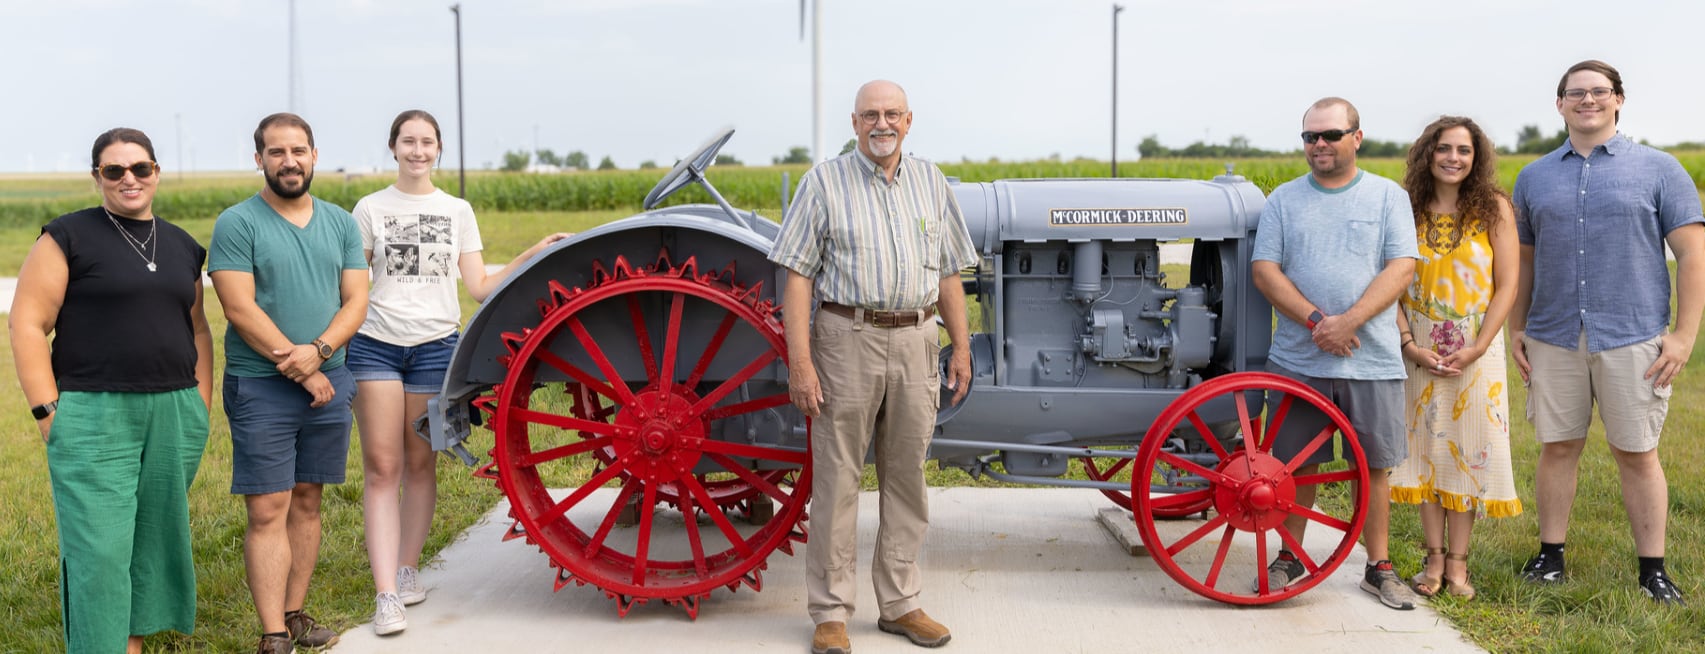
[
  {"x": 1333, "y": 251},
  {"x": 1591, "y": 320},
  {"x": 290, "y": 275}
]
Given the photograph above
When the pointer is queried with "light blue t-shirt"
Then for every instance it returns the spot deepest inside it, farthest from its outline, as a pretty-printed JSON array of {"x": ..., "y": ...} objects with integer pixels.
[
  {"x": 298, "y": 273},
  {"x": 1332, "y": 243}
]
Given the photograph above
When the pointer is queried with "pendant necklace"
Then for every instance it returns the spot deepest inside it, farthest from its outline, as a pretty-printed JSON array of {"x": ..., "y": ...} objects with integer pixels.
[{"x": 137, "y": 245}]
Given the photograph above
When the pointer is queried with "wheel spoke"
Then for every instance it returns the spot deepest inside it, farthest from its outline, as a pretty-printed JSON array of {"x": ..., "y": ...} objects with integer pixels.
[
  {"x": 1330, "y": 521},
  {"x": 750, "y": 477},
  {"x": 557, "y": 510},
  {"x": 1277, "y": 418},
  {"x": 1296, "y": 548},
  {"x": 1320, "y": 439},
  {"x": 1326, "y": 477},
  {"x": 610, "y": 517},
  {"x": 796, "y": 457},
  {"x": 1208, "y": 435},
  {"x": 1191, "y": 466},
  {"x": 642, "y": 549},
  {"x": 717, "y": 516},
  {"x": 1179, "y": 500},
  {"x": 1220, "y": 556},
  {"x": 566, "y": 422},
  {"x": 705, "y": 403},
  {"x": 1250, "y": 445},
  {"x": 672, "y": 338},
  {"x": 748, "y": 406},
  {"x": 643, "y": 337},
  {"x": 693, "y": 538},
  {"x": 623, "y": 396},
  {"x": 710, "y": 350},
  {"x": 585, "y": 378},
  {"x": 1196, "y": 535},
  {"x": 564, "y": 451},
  {"x": 1261, "y": 561}
]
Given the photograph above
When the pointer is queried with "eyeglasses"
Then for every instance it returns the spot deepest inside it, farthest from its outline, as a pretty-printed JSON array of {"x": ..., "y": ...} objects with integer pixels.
[
  {"x": 1331, "y": 135},
  {"x": 893, "y": 116},
  {"x": 141, "y": 169},
  {"x": 1599, "y": 93}
]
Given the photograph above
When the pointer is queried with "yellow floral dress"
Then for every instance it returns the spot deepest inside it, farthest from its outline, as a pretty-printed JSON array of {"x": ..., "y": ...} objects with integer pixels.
[{"x": 1459, "y": 427}]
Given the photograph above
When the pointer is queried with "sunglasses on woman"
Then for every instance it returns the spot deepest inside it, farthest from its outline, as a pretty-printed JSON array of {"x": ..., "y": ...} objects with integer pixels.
[{"x": 141, "y": 169}]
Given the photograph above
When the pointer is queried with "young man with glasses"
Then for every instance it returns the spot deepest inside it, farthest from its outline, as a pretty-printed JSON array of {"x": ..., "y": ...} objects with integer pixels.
[
  {"x": 1591, "y": 319},
  {"x": 877, "y": 236},
  {"x": 1334, "y": 250}
]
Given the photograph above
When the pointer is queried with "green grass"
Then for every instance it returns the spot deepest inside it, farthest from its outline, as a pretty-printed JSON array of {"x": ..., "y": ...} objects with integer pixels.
[{"x": 1599, "y": 610}]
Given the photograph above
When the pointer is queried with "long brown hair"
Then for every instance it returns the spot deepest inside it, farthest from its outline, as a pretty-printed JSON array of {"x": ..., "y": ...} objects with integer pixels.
[{"x": 1478, "y": 199}]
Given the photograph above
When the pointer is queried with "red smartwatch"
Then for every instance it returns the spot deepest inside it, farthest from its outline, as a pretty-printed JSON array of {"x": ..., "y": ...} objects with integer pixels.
[{"x": 1314, "y": 318}]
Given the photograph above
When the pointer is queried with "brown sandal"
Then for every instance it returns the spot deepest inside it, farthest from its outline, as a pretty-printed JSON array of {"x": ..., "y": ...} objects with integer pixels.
[
  {"x": 1424, "y": 585},
  {"x": 1461, "y": 589}
]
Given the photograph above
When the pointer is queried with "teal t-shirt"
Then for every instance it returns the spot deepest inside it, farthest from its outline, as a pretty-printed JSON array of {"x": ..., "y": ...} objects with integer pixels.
[{"x": 298, "y": 273}]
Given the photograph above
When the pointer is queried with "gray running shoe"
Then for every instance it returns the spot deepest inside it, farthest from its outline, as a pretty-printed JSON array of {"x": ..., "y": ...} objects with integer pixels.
[
  {"x": 1381, "y": 581},
  {"x": 1285, "y": 570}
]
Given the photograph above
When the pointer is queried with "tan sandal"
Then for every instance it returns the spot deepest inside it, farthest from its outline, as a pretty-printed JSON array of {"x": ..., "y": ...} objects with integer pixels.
[
  {"x": 1461, "y": 589},
  {"x": 1424, "y": 585}
]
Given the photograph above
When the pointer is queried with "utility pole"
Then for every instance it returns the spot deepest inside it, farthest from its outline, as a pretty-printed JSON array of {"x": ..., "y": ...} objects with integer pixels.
[
  {"x": 292, "y": 52},
  {"x": 178, "y": 118},
  {"x": 1116, "y": 10},
  {"x": 461, "y": 132}
]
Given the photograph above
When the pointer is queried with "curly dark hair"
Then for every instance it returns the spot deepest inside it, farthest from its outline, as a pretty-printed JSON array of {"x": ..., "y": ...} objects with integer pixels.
[{"x": 1478, "y": 199}]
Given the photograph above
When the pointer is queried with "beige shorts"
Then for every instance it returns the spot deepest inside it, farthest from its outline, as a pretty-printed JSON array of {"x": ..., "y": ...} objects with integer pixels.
[{"x": 1566, "y": 383}]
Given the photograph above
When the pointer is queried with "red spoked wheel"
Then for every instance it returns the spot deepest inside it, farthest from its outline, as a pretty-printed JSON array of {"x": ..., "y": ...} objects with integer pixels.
[
  {"x": 1253, "y": 492},
  {"x": 653, "y": 439},
  {"x": 1119, "y": 470},
  {"x": 726, "y": 490}
]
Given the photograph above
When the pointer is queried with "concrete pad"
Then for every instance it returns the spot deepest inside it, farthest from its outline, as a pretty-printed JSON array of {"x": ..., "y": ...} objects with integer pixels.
[{"x": 1008, "y": 570}]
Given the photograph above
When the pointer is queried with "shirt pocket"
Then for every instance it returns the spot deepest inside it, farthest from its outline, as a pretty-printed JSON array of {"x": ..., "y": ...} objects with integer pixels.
[{"x": 1362, "y": 236}]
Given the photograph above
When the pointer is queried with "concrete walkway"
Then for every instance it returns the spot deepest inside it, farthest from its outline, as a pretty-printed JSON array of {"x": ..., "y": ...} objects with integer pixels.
[{"x": 1008, "y": 570}]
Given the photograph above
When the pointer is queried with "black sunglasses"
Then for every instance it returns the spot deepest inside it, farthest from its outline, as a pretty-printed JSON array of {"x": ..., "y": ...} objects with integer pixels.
[
  {"x": 1331, "y": 135},
  {"x": 141, "y": 169}
]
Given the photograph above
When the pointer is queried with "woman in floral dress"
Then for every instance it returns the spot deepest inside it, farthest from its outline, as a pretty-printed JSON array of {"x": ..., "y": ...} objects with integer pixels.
[{"x": 1452, "y": 338}]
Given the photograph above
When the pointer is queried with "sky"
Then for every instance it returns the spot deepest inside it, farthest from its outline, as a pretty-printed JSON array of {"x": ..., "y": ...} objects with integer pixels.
[{"x": 641, "y": 80}]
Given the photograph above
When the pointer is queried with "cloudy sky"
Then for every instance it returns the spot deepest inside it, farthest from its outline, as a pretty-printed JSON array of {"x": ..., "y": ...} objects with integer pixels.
[{"x": 649, "y": 79}]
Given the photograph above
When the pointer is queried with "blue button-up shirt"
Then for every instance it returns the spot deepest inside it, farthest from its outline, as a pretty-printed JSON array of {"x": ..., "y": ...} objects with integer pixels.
[{"x": 1597, "y": 227}]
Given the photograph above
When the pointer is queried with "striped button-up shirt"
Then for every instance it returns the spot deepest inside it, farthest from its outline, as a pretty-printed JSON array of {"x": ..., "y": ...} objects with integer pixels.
[
  {"x": 872, "y": 243},
  {"x": 1597, "y": 227}
]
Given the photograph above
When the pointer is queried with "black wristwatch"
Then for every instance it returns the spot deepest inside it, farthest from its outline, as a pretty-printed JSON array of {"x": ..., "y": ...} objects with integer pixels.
[
  {"x": 1314, "y": 318},
  {"x": 326, "y": 350},
  {"x": 40, "y": 411}
]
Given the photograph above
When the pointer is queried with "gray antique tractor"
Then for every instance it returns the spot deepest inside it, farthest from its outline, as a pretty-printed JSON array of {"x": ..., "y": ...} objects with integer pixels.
[{"x": 635, "y": 377}]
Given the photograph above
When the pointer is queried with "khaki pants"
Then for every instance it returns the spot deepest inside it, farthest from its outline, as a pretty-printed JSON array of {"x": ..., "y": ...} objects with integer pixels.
[{"x": 879, "y": 385}]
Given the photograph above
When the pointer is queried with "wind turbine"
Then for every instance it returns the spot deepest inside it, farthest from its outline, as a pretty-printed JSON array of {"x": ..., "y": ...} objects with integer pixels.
[{"x": 817, "y": 153}]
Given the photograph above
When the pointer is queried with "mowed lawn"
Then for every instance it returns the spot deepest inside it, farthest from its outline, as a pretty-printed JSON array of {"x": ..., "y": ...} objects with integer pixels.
[{"x": 1599, "y": 610}]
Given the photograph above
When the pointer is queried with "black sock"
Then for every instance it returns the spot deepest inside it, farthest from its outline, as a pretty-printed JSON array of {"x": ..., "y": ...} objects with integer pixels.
[
  {"x": 1651, "y": 565},
  {"x": 1551, "y": 549},
  {"x": 277, "y": 634}
]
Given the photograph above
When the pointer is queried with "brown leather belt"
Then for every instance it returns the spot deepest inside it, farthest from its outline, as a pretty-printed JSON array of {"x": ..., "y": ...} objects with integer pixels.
[{"x": 883, "y": 319}]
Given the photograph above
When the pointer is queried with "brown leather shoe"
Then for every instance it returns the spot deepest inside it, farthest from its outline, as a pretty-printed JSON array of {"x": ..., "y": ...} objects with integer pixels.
[
  {"x": 831, "y": 638},
  {"x": 917, "y": 627}
]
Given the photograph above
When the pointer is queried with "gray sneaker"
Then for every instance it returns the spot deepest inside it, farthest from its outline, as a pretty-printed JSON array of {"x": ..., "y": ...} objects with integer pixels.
[
  {"x": 388, "y": 616},
  {"x": 1283, "y": 571},
  {"x": 408, "y": 586},
  {"x": 1381, "y": 581}
]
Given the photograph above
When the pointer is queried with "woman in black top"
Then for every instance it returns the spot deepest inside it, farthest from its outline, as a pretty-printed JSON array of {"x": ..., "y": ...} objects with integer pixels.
[{"x": 121, "y": 397}]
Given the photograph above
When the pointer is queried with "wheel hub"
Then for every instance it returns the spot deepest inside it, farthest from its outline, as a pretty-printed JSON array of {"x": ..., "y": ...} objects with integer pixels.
[
  {"x": 663, "y": 447},
  {"x": 1259, "y": 491}
]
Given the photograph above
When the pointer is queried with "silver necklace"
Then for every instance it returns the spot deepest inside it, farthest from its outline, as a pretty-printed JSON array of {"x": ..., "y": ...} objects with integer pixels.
[{"x": 153, "y": 245}]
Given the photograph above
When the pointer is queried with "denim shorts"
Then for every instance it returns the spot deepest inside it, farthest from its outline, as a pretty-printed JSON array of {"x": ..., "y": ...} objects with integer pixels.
[
  {"x": 278, "y": 441},
  {"x": 420, "y": 367}
]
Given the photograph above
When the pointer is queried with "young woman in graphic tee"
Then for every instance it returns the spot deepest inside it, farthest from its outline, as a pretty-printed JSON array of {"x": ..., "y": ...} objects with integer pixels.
[{"x": 417, "y": 239}]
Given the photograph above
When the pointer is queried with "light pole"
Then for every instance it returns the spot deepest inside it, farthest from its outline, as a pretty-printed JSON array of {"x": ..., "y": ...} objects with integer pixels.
[
  {"x": 1116, "y": 10},
  {"x": 461, "y": 131},
  {"x": 178, "y": 118}
]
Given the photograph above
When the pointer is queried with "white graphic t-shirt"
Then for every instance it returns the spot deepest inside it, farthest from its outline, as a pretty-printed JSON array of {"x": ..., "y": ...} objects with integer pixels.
[{"x": 416, "y": 241}]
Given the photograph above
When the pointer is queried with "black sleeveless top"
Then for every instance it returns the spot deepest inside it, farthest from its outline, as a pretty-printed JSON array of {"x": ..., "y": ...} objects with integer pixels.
[{"x": 123, "y": 328}]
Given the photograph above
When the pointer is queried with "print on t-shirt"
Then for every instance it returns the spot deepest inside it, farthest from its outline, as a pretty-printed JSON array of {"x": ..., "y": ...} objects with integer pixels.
[{"x": 418, "y": 248}]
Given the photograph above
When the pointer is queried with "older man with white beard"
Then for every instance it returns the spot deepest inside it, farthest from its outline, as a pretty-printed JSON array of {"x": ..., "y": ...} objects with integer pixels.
[{"x": 877, "y": 237}]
